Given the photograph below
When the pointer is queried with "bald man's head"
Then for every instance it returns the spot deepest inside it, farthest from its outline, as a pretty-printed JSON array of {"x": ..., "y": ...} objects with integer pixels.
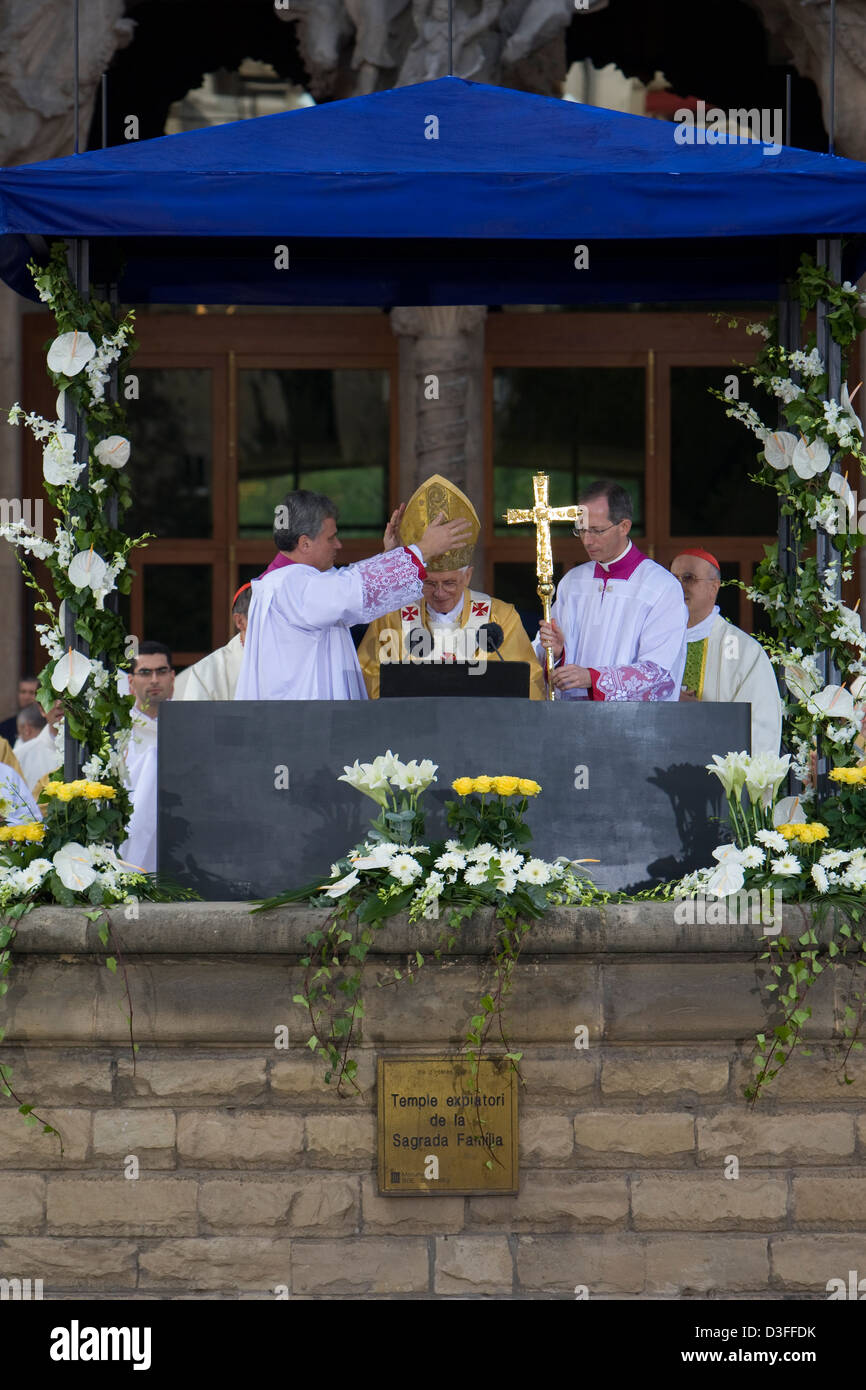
[{"x": 700, "y": 581}]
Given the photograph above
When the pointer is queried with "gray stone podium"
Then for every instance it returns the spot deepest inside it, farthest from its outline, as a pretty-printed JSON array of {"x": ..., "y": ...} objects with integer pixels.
[{"x": 249, "y": 803}]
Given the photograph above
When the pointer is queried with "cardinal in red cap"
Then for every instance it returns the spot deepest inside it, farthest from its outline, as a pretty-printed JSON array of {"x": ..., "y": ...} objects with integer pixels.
[
  {"x": 215, "y": 677},
  {"x": 723, "y": 663}
]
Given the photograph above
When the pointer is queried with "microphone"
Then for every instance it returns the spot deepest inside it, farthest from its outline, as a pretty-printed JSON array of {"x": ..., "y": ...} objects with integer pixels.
[{"x": 493, "y": 637}]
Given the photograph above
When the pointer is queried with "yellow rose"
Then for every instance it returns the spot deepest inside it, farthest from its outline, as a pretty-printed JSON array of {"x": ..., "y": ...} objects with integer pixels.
[
  {"x": 64, "y": 793},
  {"x": 5, "y": 832},
  {"x": 505, "y": 786},
  {"x": 463, "y": 786},
  {"x": 790, "y": 832},
  {"x": 51, "y": 788},
  {"x": 818, "y": 831},
  {"x": 34, "y": 832},
  {"x": 527, "y": 787},
  {"x": 482, "y": 784}
]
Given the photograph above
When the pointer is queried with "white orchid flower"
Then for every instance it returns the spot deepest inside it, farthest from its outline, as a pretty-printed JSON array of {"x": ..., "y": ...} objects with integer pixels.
[
  {"x": 70, "y": 353},
  {"x": 71, "y": 672},
  {"x": 73, "y": 864},
  {"x": 87, "y": 570},
  {"x": 113, "y": 452},
  {"x": 808, "y": 460},
  {"x": 58, "y": 460},
  {"x": 779, "y": 449}
]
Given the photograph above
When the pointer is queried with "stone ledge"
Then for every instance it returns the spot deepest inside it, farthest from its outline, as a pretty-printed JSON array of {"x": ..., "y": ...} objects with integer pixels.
[{"x": 229, "y": 929}]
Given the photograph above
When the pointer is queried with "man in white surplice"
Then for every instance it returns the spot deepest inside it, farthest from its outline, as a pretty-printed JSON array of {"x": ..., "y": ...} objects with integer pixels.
[
  {"x": 618, "y": 624},
  {"x": 723, "y": 662},
  {"x": 298, "y": 645},
  {"x": 215, "y": 677}
]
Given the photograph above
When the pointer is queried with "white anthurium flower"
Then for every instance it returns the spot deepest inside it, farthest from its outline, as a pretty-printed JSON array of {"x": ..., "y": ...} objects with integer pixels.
[
  {"x": 833, "y": 702},
  {"x": 70, "y": 353},
  {"x": 838, "y": 483},
  {"x": 113, "y": 452},
  {"x": 336, "y": 890},
  {"x": 728, "y": 878},
  {"x": 60, "y": 406},
  {"x": 779, "y": 449},
  {"x": 73, "y": 864},
  {"x": 71, "y": 672},
  {"x": 845, "y": 401},
  {"x": 789, "y": 811},
  {"x": 808, "y": 460},
  {"x": 87, "y": 570},
  {"x": 801, "y": 680},
  {"x": 728, "y": 854}
]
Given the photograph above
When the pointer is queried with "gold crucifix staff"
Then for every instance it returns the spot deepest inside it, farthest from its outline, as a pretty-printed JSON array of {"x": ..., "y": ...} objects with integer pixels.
[{"x": 541, "y": 516}]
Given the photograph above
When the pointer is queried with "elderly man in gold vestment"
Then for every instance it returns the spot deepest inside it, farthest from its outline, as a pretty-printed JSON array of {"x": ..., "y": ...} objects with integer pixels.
[{"x": 445, "y": 625}]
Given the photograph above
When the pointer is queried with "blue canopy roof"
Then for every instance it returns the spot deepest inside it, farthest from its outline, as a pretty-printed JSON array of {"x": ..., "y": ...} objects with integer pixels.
[{"x": 444, "y": 192}]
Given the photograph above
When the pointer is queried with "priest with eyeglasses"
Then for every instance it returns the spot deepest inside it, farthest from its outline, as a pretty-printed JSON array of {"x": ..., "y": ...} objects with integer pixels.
[{"x": 617, "y": 627}]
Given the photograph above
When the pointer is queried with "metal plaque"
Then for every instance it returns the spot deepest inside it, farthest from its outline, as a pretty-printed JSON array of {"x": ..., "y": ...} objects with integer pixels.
[{"x": 440, "y": 1133}]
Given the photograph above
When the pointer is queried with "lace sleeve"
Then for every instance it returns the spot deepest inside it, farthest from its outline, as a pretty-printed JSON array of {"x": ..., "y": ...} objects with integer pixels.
[{"x": 387, "y": 582}]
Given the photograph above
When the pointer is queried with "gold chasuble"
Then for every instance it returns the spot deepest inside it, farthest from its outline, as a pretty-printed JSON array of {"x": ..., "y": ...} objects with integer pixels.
[
  {"x": 9, "y": 758},
  {"x": 516, "y": 645}
]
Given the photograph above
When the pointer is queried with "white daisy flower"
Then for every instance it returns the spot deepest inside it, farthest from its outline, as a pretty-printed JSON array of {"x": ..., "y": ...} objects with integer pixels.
[
  {"x": 510, "y": 861},
  {"x": 405, "y": 869},
  {"x": 481, "y": 852},
  {"x": 453, "y": 860},
  {"x": 787, "y": 866},
  {"x": 819, "y": 878},
  {"x": 753, "y": 857},
  {"x": 535, "y": 871},
  {"x": 476, "y": 874},
  {"x": 772, "y": 839}
]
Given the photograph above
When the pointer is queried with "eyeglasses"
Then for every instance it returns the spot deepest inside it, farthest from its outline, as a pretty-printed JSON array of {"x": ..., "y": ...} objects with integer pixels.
[
  {"x": 595, "y": 530},
  {"x": 697, "y": 579},
  {"x": 448, "y": 586},
  {"x": 157, "y": 671}
]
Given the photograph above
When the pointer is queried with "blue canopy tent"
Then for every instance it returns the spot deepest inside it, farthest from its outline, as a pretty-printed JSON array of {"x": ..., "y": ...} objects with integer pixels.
[{"x": 446, "y": 192}]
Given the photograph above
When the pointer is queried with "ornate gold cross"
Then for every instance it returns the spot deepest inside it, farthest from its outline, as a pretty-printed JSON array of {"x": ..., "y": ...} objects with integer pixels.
[{"x": 541, "y": 515}]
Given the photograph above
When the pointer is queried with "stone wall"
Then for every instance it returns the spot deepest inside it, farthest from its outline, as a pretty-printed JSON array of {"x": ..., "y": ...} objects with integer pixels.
[{"x": 256, "y": 1177}]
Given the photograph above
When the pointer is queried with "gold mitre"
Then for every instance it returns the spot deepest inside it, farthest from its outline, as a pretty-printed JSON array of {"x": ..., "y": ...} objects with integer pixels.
[{"x": 437, "y": 495}]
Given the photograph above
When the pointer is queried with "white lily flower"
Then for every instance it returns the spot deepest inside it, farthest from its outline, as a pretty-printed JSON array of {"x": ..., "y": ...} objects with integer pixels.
[
  {"x": 70, "y": 352},
  {"x": 113, "y": 452},
  {"x": 764, "y": 775},
  {"x": 730, "y": 770},
  {"x": 71, "y": 672}
]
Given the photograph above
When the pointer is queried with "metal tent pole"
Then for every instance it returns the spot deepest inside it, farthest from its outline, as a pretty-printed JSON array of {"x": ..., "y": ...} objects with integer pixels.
[{"x": 829, "y": 255}]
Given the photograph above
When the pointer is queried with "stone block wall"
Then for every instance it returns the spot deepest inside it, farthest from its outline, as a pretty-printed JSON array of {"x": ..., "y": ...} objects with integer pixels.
[{"x": 256, "y": 1181}]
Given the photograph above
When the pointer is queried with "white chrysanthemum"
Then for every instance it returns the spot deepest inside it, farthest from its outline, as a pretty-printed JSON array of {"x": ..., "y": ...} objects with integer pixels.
[
  {"x": 819, "y": 878},
  {"x": 753, "y": 857},
  {"x": 454, "y": 859},
  {"x": 476, "y": 874},
  {"x": 535, "y": 871},
  {"x": 506, "y": 884},
  {"x": 510, "y": 861},
  {"x": 772, "y": 839},
  {"x": 787, "y": 866},
  {"x": 834, "y": 858},
  {"x": 405, "y": 869},
  {"x": 481, "y": 853}
]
